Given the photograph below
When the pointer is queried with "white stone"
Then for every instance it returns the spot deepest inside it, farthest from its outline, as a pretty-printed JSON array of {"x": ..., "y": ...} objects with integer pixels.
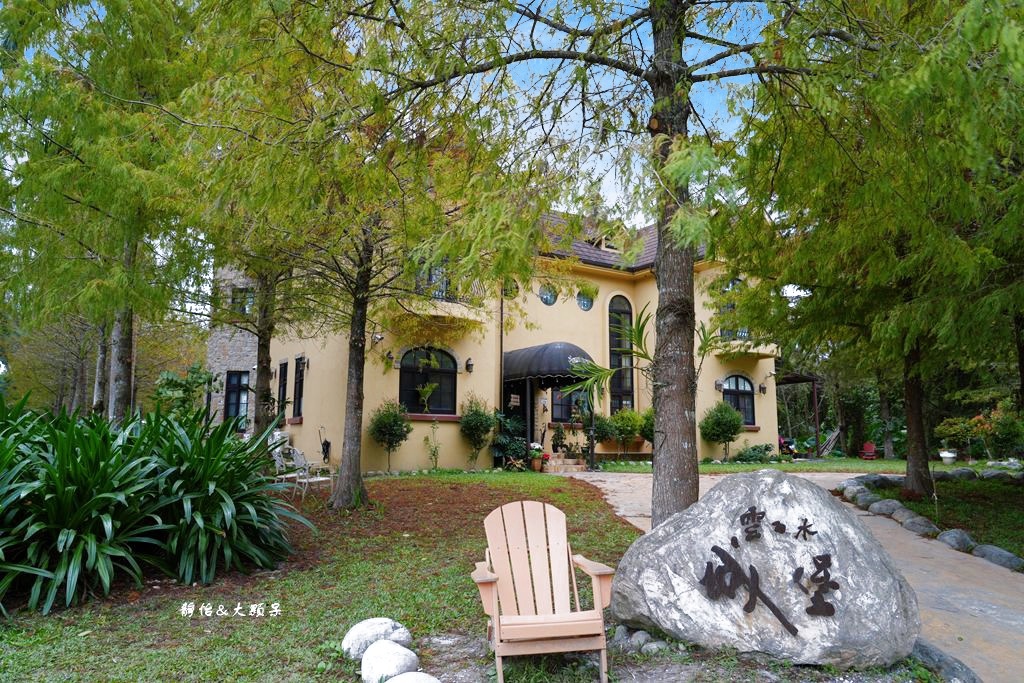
[
  {"x": 369, "y": 631},
  {"x": 658, "y": 583},
  {"x": 385, "y": 660},
  {"x": 413, "y": 677}
]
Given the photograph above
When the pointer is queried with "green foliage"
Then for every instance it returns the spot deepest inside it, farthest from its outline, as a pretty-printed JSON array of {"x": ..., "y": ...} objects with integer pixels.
[
  {"x": 757, "y": 453},
  {"x": 604, "y": 428},
  {"x": 647, "y": 428},
  {"x": 432, "y": 445},
  {"x": 425, "y": 391},
  {"x": 94, "y": 502},
  {"x": 721, "y": 424},
  {"x": 627, "y": 425},
  {"x": 558, "y": 438},
  {"x": 956, "y": 431},
  {"x": 390, "y": 426},
  {"x": 176, "y": 395},
  {"x": 509, "y": 445},
  {"x": 476, "y": 424},
  {"x": 219, "y": 498},
  {"x": 1005, "y": 430}
]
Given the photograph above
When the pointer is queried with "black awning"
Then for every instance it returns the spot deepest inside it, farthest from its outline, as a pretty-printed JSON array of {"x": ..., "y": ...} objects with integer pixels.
[{"x": 547, "y": 363}]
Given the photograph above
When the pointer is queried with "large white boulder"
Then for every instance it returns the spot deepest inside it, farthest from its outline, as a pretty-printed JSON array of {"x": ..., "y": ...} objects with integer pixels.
[
  {"x": 772, "y": 563},
  {"x": 369, "y": 631},
  {"x": 385, "y": 660},
  {"x": 414, "y": 677}
]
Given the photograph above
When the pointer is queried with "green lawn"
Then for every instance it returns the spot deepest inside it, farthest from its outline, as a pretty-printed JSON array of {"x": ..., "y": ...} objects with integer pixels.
[
  {"x": 825, "y": 465},
  {"x": 408, "y": 558},
  {"x": 990, "y": 511}
]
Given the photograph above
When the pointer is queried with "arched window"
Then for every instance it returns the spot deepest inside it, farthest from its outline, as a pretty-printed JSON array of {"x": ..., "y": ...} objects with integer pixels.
[
  {"x": 426, "y": 382},
  {"x": 738, "y": 392},
  {"x": 620, "y": 315}
]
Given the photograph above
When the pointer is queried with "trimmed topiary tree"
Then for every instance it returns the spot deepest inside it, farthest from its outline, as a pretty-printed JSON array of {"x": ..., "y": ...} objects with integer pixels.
[
  {"x": 476, "y": 424},
  {"x": 628, "y": 424},
  {"x": 390, "y": 426},
  {"x": 647, "y": 429},
  {"x": 721, "y": 424}
]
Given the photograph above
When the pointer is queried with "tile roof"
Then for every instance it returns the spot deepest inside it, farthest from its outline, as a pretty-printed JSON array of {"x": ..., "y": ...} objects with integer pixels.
[{"x": 593, "y": 255}]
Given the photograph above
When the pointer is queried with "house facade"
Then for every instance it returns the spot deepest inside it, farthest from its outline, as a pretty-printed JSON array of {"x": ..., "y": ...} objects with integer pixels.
[
  {"x": 518, "y": 366},
  {"x": 231, "y": 353}
]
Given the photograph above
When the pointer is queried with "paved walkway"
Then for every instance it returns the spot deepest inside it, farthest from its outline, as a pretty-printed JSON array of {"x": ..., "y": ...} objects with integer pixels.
[{"x": 970, "y": 608}]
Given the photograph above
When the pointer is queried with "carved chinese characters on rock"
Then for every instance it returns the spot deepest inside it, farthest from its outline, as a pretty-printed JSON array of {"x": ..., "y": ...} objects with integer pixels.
[{"x": 723, "y": 578}]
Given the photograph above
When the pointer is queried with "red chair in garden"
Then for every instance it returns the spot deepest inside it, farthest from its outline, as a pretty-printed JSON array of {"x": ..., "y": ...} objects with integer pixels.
[{"x": 868, "y": 452}]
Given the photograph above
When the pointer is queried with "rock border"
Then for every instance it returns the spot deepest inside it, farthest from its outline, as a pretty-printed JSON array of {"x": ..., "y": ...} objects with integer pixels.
[
  {"x": 856, "y": 491},
  {"x": 379, "y": 644}
]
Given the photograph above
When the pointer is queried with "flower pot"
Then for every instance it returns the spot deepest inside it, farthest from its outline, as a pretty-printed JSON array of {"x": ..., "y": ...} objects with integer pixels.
[
  {"x": 537, "y": 464},
  {"x": 948, "y": 456}
]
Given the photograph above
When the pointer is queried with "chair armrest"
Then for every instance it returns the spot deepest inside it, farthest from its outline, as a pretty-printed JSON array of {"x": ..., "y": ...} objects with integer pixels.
[
  {"x": 486, "y": 583},
  {"x": 483, "y": 575},
  {"x": 591, "y": 568},
  {"x": 601, "y": 575}
]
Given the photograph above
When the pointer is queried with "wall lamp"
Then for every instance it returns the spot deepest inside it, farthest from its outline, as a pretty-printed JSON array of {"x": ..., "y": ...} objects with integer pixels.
[
  {"x": 719, "y": 385},
  {"x": 390, "y": 356},
  {"x": 762, "y": 388},
  {"x": 469, "y": 365}
]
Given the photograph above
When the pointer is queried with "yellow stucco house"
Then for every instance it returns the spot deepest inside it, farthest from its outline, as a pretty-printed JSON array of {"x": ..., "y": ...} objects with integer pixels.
[{"x": 519, "y": 369}]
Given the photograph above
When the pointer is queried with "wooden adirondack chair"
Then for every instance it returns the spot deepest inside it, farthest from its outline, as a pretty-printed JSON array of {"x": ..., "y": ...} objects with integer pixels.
[
  {"x": 528, "y": 586},
  {"x": 868, "y": 452}
]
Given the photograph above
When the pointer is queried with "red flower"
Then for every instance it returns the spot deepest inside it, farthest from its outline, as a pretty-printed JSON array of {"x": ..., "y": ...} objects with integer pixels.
[{"x": 547, "y": 456}]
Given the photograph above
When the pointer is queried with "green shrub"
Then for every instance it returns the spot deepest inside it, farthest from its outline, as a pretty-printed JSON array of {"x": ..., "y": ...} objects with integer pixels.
[
  {"x": 89, "y": 504},
  {"x": 955, "y": 431},
  {"x": 390, "y": 426},
  {"x": 177, "y": 395},
  {"x": 216, "y": 497},
  {"x": 1007, "y": 436},
  {"x": 604, "y": 428},
  {"x": 647, "y": 429},
  {"x": 558, "y": 440},
  {"x": 721, "y": 424},
  {"x": 476, "y": 424},
  {"x": 81, "y": 502},
  {"x": 508, "y": 444},
  {"x": 627, "y": 425},
  {"x": 758, "y": 453}
]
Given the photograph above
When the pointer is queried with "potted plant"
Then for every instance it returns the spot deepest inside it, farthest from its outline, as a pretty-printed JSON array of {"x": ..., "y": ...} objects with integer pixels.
[
  {"x": 948, "y": 455},
  {"x": 536, "y": 456}
]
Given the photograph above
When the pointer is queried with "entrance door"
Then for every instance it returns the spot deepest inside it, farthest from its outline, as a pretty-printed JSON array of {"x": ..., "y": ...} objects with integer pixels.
[{"x": 515, "y": 402}]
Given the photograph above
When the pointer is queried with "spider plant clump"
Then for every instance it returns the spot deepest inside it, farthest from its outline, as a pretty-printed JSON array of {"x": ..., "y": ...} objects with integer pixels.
[{"x": 83, "y": 502}]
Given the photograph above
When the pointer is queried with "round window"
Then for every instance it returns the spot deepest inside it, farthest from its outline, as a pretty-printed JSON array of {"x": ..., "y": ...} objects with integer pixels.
[
  {"x": 547, "y": 294},
  {"x": 585, "y": 302}
]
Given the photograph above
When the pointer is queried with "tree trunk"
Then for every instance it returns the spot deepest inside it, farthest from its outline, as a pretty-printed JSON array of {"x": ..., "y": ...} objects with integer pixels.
[
  {"x": 918, "y": 478},
  {"x": 265, "y": 295},
  {"x": 121, "y": 365},
  {"x": 99, "y": 387},
  {"x": 885, "y": 411},
  {"x": 674, "y": 376},
  {"x": 62, "y": 384},
  {"x": 81, "y": 378},
  {"x": 1018, "y": 338},
  {"x": 350, "y": 492}
]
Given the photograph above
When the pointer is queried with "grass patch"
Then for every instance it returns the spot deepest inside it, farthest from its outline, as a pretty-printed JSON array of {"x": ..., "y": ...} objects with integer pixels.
[
  {"x": 990, "y": 511},
  {"x": 408, "y": 557},
  {"x": 824, "y": 465}
]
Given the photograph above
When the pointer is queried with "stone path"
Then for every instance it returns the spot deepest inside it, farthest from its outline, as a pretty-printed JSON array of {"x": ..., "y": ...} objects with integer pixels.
[{"x": 970, "y": 608}]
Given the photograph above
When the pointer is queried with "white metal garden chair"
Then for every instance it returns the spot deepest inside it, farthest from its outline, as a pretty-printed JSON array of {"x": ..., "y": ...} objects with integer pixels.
[{"x": 307, "y": 474}]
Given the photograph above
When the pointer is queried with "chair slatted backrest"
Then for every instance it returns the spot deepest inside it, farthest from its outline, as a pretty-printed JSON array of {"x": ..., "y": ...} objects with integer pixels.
[
  {"x": 529, "y": 551},
  {"x": 869, "y": 448}
]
